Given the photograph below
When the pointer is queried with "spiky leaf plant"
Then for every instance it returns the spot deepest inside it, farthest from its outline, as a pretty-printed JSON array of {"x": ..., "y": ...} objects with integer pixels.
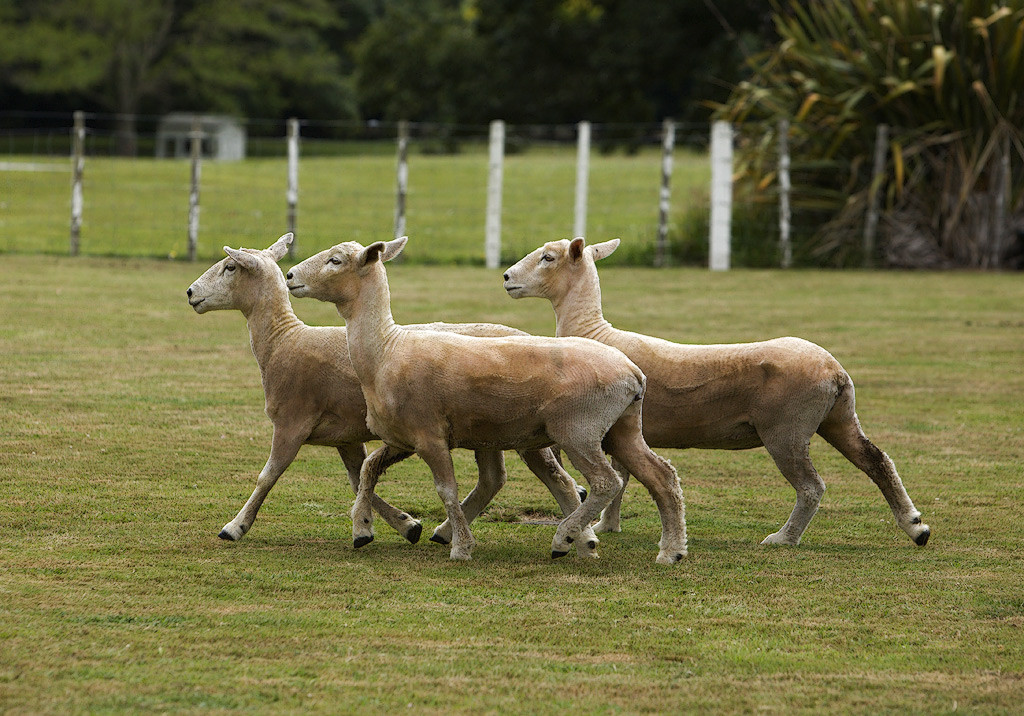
[{"x": 947, "y": 77}]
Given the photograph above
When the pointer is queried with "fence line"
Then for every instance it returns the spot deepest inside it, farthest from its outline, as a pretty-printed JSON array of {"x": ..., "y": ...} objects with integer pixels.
[{"x": 596, "y": 197}]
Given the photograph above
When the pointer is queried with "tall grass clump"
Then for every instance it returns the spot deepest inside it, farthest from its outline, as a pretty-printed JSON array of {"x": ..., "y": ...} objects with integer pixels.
[{"x": 945, "y": 76}]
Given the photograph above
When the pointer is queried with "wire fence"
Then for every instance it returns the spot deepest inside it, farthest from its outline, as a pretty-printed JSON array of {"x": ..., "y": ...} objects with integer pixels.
[{"x": 347, "y": 187}]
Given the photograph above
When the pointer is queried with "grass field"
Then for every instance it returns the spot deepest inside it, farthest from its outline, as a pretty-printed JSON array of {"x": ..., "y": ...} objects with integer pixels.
[
  {"x": 139, "y": 207},
  {"x": 133, "y": 430}
]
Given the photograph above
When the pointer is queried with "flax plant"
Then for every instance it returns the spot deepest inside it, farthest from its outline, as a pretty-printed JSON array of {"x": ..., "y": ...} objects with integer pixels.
[{"x": 946, "y": 77}]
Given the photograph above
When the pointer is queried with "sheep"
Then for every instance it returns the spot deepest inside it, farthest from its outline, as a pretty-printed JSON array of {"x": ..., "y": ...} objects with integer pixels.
[
  {"x": 431, "y": 392},
  {"x": 774, "y": 393},
  {"x": 313, "y": 396}
]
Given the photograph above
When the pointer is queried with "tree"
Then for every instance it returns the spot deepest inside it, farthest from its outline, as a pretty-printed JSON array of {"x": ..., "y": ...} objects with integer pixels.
[
  {"x": 262, "y": 58},
  {"x": 102, "y": 49}
]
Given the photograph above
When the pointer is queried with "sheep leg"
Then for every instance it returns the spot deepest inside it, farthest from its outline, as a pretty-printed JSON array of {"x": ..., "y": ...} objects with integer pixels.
[
  {"x": 353, "y": 455},
  {"x": 626, "y": 445},
  {"x": 491, "y": 468},
  {"x": 604, "y": 484},
  {"x": 794, "y": 462},
  {"x": 439, "y": 460},
  {"x": 849, "y": 439},
  {"x": 610, "y": 516},
  {"x": 545, "y": 465},
  {"x": 373, "y": 467},
  {"x": 283, "y": 449}
]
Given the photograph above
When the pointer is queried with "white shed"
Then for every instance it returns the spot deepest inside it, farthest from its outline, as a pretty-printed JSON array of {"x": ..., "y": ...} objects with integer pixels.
[{"x": 223, "y": 137}]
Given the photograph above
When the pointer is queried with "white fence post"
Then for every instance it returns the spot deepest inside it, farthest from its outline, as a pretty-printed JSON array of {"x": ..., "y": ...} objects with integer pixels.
[
  {"x": 402, "y": 177},
  {"x": 877, "y": 177},
  {"x": 196, "y": 137},
  {"x": 721, "y": 194},
  {"x": 579, "y": 224},
  {"x": 292, "y": 193},
  {"x": 77, "y": 168},
  {"x": 785, "y": 186},
  {"x": 496, "y": 156},
  {"x": 668, "y": 143}
]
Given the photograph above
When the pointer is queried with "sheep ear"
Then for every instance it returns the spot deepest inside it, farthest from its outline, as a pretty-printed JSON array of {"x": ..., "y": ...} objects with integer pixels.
[
  {"x": 280, "y": 247},
  {"x": 599, "y": 251},
  {"x": 371, "y": 253},
  {"x": 244, "y": 259},
  {"x": 576, "y": 248},
  {"x": 393, "y": 248}
]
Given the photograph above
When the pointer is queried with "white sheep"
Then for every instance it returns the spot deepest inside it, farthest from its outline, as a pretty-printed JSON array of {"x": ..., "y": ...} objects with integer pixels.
[
  {"x": 775, "y": 393},
  {"x": 313, "y": 396},
  {"x": 430, "y": 392}
]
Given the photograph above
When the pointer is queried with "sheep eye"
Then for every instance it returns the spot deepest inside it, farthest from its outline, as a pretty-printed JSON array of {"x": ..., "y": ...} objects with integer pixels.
[
  {"x": 334, "y": 260},
  {"x": 547, "y": 257},
  {"x": 229, "y": 267}
]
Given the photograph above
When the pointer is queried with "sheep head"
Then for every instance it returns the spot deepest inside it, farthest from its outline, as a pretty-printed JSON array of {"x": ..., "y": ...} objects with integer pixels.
[
  {"x": 336, "y": 274},
  {"x": 550, "y": 271},
  {"x": 235, "y": 282}
]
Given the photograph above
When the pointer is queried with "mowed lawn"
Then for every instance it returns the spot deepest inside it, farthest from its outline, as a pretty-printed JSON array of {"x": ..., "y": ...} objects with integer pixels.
[{"x": 133, "y": 431}]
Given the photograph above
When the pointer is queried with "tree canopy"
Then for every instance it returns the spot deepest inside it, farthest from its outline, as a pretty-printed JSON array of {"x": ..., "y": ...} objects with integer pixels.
[{"x": 458, "y": 61}]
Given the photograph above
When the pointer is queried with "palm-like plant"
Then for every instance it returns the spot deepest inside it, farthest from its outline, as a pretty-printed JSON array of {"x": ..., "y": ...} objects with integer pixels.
[{"x": 947, "y": 77}]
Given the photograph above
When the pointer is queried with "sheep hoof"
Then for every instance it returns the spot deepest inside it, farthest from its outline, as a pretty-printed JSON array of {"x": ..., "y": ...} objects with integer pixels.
[
  {"x": 362, "y": 541},
  {"x": 555, "y": 554},
  {"x": 582, "y": 492},
  {"x": 439, "y": 539},
  {"x": 922, "y": 539},
  {"x": 224, "y": 534},
  {"x": 413, "y": 535}
]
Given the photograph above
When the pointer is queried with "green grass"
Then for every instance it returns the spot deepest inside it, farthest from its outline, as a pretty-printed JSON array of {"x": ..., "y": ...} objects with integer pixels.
[
  {"x": 133, "y": 430},
  {"x": 139, "y": 207}
]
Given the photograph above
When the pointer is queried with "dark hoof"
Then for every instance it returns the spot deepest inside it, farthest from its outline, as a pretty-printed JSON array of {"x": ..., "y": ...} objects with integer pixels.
[
  {"x": 224, "y": 534},
  {"x": 922, "y": 539},
  {"x": 362, "y": 541},
  {"x": 413, "y": 535},
  {"x": 556, "y": 554},
  {"x": 439, "y": 539},
  {"x": 582, "y": 492}
]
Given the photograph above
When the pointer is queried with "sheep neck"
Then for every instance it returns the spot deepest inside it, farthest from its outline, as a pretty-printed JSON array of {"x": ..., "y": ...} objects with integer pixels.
[
  {"x": 372, "y": 331},
  {"x": 270, "y": 319},
  {"x": 578, "y": 310}
]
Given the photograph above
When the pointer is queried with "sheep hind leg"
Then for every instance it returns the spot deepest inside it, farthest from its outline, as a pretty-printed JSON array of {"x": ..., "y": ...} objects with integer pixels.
[
  {"x": 353, "y": 455},
  {"x": 373, "y": 467},
  {"x": 794, "y": 462},
  {"x": 604, "y": 485},
  {"x": 611, "y": 515},
  {"x": 545, "y": 465},
  {"x": 849, "y": 439},
  {"x": 626, "y": 445},
  {"x": 491, "y": 468}
]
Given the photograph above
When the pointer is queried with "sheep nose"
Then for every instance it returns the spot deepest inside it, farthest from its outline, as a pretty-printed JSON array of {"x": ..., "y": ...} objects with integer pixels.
[
  {"x": 189, "y": 293},
  {"x": 289, "y": 276},
  {"x": 505, "y": 277}
]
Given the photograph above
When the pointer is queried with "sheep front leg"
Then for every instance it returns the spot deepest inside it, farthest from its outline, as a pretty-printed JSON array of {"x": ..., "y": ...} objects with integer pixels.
[
  {"x": 491, "y": 469},
  {"x": 439, "y": 460},
  {"x": 373, "y": 467},
  {"x": 283, "y": 449},
  {"x": 353, "y": 455}
]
